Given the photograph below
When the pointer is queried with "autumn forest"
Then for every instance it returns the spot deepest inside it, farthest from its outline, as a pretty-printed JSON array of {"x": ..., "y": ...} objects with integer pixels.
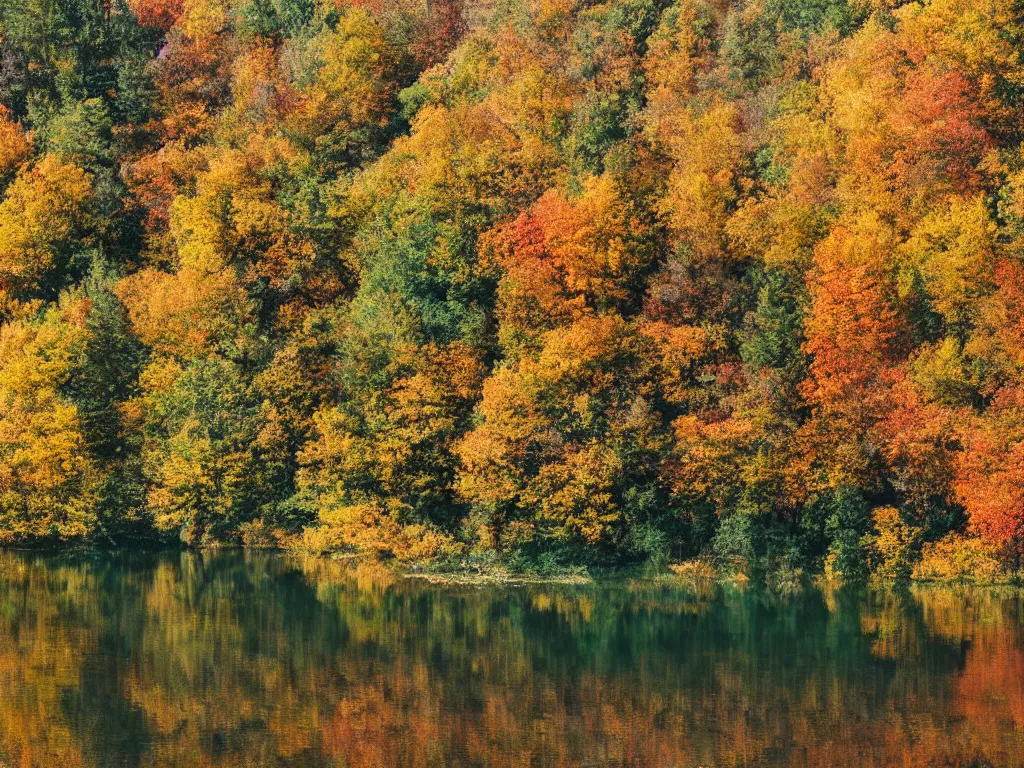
[{"x": 545, "y": 282}]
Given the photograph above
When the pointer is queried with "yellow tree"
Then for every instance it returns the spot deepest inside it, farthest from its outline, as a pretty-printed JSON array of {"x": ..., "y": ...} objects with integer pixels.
[
  {"x": 42, "y": 218},
  {"x": 567, "y": 449},
  {"x": 48, "y": 482}
]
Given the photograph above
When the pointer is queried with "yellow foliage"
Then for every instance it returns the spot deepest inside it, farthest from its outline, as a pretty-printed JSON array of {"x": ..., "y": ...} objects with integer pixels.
[
  {"x": 577, "y": 494},
  {"x": 186, "y": 313},
  {"x": 708, "y": 149},
  {"x": 940, "y": 371},
  {"x": 953, "y": 248},
  {"x": 893, "y": 542},
  {"x": 43, "y": 209},
  {"x": 376, "y": 529},
  {"x": 958, "y": 557},
  {"x": 454, "y": 155},
  {"x": 695, "y": 570},
  {"x": 202, "y": 19},
  {"x": 351, "y": 88},
  {"x": 48, "y": 481},
  {"x": 678, "y": 54},
  {"x": 548, "y": 426}
]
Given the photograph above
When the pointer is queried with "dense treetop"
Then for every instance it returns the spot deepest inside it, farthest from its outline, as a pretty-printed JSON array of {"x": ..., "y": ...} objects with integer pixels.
[{"x": 560, "y": 280}]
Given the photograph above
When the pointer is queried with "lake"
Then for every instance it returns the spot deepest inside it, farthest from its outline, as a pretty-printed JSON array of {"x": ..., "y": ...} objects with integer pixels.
[{"x": 249, "y": 659}]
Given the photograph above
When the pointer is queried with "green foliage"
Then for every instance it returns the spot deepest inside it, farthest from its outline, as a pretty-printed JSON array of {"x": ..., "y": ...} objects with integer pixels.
[
  {"x": 846, "y": 520},
  {"x": 776, "y": 327}
]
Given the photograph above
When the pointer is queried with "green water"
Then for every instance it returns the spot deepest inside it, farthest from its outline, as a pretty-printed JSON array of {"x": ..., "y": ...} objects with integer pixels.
[{"x": 261, "y": 660}]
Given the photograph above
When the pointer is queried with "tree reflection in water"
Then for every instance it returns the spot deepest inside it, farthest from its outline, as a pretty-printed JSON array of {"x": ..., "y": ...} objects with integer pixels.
[{"x": 247, "y": 659}]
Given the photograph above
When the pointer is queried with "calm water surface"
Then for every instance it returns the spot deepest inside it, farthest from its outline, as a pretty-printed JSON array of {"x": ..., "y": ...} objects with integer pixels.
[{"x": 259, "y": 660}]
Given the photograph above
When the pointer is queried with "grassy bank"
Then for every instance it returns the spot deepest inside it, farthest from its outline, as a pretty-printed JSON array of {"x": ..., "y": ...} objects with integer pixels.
[{"x": 698, "y": 572}]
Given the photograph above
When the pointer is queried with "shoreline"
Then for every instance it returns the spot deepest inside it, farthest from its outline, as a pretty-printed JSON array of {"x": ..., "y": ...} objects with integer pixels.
[{"x": 496, "y": 573}]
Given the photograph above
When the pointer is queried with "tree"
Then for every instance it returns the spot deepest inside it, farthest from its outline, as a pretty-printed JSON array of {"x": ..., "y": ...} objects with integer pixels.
[
  {"x": 48, "y": 479},
  {"x": 569, "y": 448},
  {"x": 209, "y": 452},
  {"x": 160, "y": 14},
  {"x": 44, "y": 223},
  {"x": 14, "y": 146}
]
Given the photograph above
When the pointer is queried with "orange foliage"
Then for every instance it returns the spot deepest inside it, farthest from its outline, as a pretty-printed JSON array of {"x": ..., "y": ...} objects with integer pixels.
[
  {"x": 990, "y": 481},
  {"x": 14, "y": 144},
  {"x": 185, "y": 313},
  {"x": 853, "y": 330},
  {"x": 565, "y": 258},
  {"x": 160, "y": 14}
]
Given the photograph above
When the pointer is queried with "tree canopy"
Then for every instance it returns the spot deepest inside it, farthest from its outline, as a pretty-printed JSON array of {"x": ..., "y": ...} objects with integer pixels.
[{"x": 578, "y": 281}]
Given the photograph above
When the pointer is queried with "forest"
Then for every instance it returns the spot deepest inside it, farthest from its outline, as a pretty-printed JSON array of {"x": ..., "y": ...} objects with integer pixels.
[{"x": 545, "y": 282}]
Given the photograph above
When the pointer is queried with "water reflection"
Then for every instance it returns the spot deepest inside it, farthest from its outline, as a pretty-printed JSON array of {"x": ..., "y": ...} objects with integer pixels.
[{"x": 258, "y": 660}]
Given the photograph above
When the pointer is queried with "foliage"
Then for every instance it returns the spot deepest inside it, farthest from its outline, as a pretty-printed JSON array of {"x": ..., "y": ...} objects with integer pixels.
[
  {"x": 957, "y": 557},
  {"x": 560, "y": 283},
  {"x": 48, "y": 479}
]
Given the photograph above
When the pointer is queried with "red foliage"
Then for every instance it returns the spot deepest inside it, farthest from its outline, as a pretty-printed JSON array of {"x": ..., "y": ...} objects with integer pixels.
[
  {"x": 443, "y": 28},
  {"x": 938, "y": 122},
  {"x": 159, "y": 14}
]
